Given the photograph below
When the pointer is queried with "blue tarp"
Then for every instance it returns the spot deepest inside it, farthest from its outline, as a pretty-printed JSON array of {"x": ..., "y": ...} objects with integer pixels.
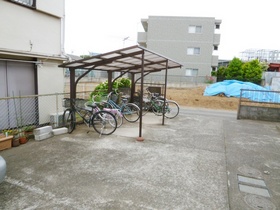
[{"x": 232, "y": 88}]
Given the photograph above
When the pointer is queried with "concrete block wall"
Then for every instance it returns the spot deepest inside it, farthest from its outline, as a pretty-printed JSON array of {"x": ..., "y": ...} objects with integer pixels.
[{"x": 259, "y": 113}]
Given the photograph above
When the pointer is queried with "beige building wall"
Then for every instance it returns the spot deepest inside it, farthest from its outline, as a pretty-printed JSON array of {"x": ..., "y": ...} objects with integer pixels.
[
  {"x": 170, "y": 36},
  {"x": 30, "y": 31},
  {"x": 50, "y": 78}
]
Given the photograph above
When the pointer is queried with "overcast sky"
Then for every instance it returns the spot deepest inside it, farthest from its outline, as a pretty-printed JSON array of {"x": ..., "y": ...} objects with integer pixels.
[{"x": 101, "y": 26}]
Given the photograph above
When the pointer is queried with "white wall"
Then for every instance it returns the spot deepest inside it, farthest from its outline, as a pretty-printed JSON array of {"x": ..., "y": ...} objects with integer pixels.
[
  {"x": 29, "y": 31},
  {"x": 53, "y": 7},
  {"x": 50, "y": 78}
]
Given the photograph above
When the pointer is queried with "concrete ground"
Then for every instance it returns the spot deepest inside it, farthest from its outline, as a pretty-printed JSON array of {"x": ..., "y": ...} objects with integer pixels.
[{"x": 202, "y": 159}]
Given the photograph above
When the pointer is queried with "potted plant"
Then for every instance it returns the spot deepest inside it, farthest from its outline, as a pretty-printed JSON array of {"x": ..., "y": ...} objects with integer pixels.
[
  {"x": 28, "y": 131},
  {"x": 15, "y": 141},
  {"x": 22, "y": 137}
]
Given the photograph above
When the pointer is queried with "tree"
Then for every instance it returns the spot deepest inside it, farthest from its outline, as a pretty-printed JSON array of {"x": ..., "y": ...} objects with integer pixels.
[
  {"x": 264, "y": 66},
  {"x": 252, "y": 71},
  {"x": 234, "y": 69},
  {"x": 221, "y": 73}
]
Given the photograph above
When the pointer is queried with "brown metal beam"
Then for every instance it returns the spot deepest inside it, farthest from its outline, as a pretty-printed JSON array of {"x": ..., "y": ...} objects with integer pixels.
[
  {"x": 140, "y": 138},
  {"x": 72, "y": 83},
  {"x": 132, "y": 87},
  {"x": 164, "y": 98},
  {"x": 110, "y": 86}
]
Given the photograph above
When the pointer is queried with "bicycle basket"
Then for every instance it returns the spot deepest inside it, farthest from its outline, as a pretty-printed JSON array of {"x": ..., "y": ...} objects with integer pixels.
[
  {"x": 79, "y": 102},
  {"x": 66, "y": 102}
]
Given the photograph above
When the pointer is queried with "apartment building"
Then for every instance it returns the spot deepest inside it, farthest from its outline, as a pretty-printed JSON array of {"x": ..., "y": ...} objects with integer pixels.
[
  {"x": 191, "y": 41},
  {"x": 31, "y": 47}
]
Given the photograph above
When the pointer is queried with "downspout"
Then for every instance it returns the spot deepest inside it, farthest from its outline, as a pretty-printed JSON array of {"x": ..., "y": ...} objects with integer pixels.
[{"x": 62, "y": 38}]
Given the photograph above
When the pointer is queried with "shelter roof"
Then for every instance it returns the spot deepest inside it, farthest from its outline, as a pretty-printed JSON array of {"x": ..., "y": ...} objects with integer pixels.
[{"x": 128, "y": 59}]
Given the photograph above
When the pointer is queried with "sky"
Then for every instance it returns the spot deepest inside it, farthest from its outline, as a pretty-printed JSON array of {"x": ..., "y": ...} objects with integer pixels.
[{"x": 102, "y": 26}]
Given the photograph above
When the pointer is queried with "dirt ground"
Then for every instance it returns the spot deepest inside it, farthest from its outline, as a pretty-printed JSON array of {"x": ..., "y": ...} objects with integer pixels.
[
  {"x": 193, "y": 97},
  {"x": 189, "y": 97}
]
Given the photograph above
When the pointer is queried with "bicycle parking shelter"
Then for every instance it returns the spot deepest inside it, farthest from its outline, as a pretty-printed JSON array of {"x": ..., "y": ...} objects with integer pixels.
[{"x": 134, "y": 60}]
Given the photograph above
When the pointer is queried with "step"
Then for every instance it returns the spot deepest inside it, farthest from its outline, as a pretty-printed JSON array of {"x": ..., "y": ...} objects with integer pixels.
[
  {"x": 42, "y": 130},
  {"x": 59, "y": 131},
  {"x": 43, "y": 136}
]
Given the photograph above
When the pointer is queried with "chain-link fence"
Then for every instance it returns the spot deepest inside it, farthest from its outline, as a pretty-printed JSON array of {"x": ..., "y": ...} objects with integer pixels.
[
  {"x": 38, "y": 110},
  {"x": 176, "y": 81}
]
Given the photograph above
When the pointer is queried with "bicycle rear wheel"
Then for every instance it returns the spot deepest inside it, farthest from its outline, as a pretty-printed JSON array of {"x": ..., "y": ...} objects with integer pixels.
[
  {"x": 119, "y": 119},
  {"x": 69, "y": 120},
  {"x": 118, "y": 115},
  {"x": 104, "y": 122},
  {"x": 171, "y": 109},
  {"x": 131, "y": 112},
  {"x": 157, "y": 107}
]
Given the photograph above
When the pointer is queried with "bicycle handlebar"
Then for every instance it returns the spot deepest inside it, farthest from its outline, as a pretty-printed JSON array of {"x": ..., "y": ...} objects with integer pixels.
[{"x": 156, "y": 95}]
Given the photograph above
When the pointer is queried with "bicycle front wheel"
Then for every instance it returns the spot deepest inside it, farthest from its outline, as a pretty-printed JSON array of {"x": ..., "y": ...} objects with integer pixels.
[
  {"x": 69, "y": 120},
  {"x": 131, "y": 112},
  {"x": 104, "y": 122},
  {"x": 171, "y": 109},
  {"x": 146, "y": 107}
]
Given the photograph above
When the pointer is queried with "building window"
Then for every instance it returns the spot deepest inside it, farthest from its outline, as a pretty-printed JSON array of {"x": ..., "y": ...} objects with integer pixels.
[
  {"x": 215, "y": 47},
  {"x": 191, "y": 72},
  {"x": 193, "y": 51},
  {"x": 195, "y": 29},
  {"x": 217, "y": 26},
  {"x": 28, "y": 3}
]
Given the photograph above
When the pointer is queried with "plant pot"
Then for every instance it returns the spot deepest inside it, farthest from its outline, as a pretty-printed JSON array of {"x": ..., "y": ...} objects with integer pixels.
[
  {"x": 22, "y": 140},
  {"x": 15, "y": 142},
  {"x": 29, "y": 134}
]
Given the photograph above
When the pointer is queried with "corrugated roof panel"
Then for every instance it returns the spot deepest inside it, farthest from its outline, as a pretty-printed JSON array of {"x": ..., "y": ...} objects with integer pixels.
[{"x": 125, "y": 59}]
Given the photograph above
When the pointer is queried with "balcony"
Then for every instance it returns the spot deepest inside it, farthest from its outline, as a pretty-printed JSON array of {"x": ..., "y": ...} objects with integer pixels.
[
  {"x": 216, "y": 38},
  {"x": 142, "y": 38},
  {"x": 214, "y": 60}
]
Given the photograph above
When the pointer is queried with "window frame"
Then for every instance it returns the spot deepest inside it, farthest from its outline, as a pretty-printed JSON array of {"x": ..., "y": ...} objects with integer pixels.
[
  {"x": 195, "y": 31},
  {"x": 192, "y": 71},
  {"x": 24, "y": 3},
  {"x": 194, "y": 49}
]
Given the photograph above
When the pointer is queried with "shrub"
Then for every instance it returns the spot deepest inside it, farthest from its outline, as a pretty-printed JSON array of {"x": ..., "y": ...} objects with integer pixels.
[{"x": 102, "y": 89}]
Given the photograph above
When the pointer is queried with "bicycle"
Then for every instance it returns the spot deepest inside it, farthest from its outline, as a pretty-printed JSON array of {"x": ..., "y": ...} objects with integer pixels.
[
  {"x": 103, "y": 105},
  {"x": 155, "y": 103},
  {"x": 102, "y": 121},
  {"x": 130, "y": 111}
]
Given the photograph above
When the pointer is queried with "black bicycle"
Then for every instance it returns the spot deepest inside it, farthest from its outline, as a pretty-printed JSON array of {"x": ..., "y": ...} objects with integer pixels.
[{"x": 102, "y": 121}]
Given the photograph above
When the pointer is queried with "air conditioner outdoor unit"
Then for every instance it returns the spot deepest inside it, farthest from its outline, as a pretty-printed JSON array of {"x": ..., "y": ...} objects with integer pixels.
[{"x": 56, "y": 119}]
